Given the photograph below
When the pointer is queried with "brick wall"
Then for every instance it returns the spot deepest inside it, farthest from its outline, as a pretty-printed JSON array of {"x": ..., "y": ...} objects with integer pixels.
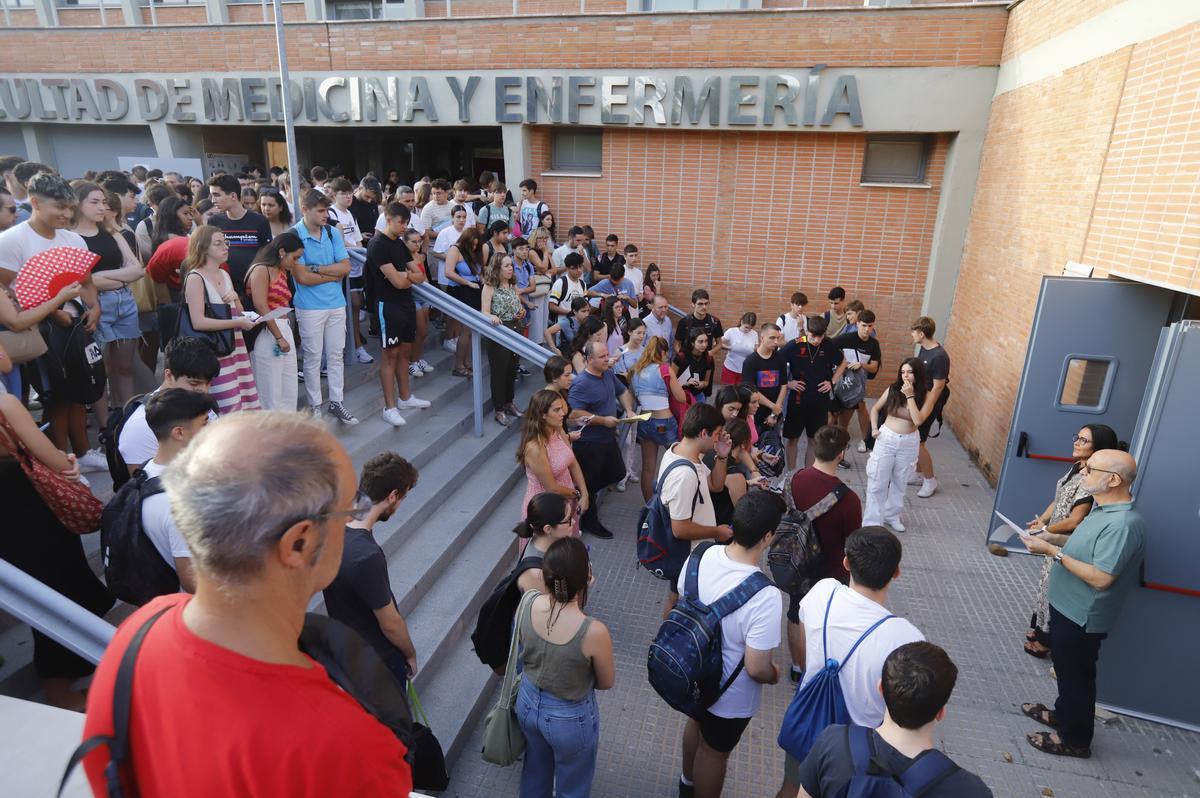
[
  {"x": 932, "y": 37},
  {"x": 252, "y": 12},
  {"x": 1037, "y": 21},
  {"x": 753, "y": 217}
]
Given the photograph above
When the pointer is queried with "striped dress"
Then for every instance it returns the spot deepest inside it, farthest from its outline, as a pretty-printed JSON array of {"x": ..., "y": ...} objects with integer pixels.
[{"x": 234, "y": 387}]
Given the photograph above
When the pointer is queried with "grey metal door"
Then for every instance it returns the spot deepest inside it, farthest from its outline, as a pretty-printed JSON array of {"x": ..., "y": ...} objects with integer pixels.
[
  {"x": 1148, "y": 664},
  {"x": 1088, "y": 361}
]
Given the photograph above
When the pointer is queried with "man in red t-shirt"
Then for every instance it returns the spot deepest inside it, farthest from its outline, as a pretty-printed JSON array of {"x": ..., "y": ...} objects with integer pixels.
[
  {"x": 224, "y": 702},
  {"x": 809, "y": 486}
]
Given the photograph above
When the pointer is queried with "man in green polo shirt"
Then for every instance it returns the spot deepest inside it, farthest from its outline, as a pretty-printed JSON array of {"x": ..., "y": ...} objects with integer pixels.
[{"x": 1092, "y": 575}]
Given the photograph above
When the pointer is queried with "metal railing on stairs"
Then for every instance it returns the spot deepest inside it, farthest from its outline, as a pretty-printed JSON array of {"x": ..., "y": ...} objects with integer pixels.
[
  {"x": 53, "y": 614},
  {"x": 482, "y": 327}
]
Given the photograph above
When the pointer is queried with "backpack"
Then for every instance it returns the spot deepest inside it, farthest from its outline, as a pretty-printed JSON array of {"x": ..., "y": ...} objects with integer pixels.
[
  {"x": 494, "y": 626},
  {"x": 110, "y": 438},
  {"x": 72, "y": 370},
  {"x": 819, "y": 702},
  {"x": 133, "y": 568},
  {"x": 771, "y": 442},
  {"x": 658, "y": 550},
  {"x": 870, "y": 780},
  {"x": 795, "y": 558},
  {"x": 851, "y": 388},
  {"x": 685, "y": 661}
]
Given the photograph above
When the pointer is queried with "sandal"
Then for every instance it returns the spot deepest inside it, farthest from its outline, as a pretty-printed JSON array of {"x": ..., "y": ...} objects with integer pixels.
[
  {"x": 1031, "y": 635},
  {"x": 1041, "y": 713},
  {"x": 1033, "y": 650},
  {"x": 461, "y": 372},
  {"x": 1042, "y": 742}
]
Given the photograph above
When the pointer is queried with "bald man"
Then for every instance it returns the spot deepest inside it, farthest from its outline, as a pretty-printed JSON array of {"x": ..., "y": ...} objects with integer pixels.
[{"x": 1091, "y": 577}]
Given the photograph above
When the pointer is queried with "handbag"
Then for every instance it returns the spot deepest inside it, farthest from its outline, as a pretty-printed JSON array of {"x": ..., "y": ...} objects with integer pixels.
[
  {"x": 541, "y": 285},
  {"x": 72, "y": 503},
  {"x": 143, "y": 293},
  {"x": 428, "y": 759},
  {"x": 23, "y": 346},
  {"x": 503, "y": 740},
  {"x": 221, "y": 341}
]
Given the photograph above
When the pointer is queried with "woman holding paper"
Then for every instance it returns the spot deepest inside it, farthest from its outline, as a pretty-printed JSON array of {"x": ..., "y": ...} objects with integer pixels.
[
  {"x": 651, "y": 379},
  {"x": 545, "y": 451},
  {"x": 234, "y": 387},
  {"x": 274, "y": 354},
  {"x": 1070, "y": 506}
]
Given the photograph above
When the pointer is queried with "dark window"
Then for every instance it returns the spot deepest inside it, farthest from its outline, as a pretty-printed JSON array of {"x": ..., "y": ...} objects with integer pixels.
[
  {"x": 1085, "y": 382},
  {"x": 576, "y": 151},
  {"x": 896, "y": 159}
]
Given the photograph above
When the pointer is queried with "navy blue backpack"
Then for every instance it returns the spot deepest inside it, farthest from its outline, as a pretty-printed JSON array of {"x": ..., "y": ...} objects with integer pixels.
[
  {"x": 658, "y": 550},
  {"x": 928, "y": 770},
  {"x": 685, "y": 661},
  {"x": 819, "y": 702}
]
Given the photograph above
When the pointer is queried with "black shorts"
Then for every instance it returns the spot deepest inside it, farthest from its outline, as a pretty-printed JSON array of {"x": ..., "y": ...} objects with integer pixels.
[
  {"x": 937, "y": 410},
  {"x": 836, "y": 406},
  {"x": 397, "y": 324},
  {"x": 721, "y": 734},
  {"x": 467, "y": 295},
  {"x": 357, "y": 283},
  {"x": 805, "y": 418}
]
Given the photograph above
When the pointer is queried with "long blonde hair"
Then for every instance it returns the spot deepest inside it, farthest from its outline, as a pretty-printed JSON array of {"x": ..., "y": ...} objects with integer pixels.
[
  {"x": 654, "y": 352},
  {"x": 197, "y": 252}
]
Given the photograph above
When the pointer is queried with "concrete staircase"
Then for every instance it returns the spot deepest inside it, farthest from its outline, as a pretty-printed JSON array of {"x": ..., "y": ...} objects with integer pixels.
[{"x": 447, "y": 545}]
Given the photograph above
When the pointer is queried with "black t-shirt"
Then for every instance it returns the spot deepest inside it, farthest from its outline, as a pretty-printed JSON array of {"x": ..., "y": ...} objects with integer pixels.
[
  {"x": 767, "y": 375},
  {"x": 701, "y": 367},
  {"x": 361, "y": 587},
  {"x": 245, "y": 237},
  {"x": 366, "y": 214},
  {"x": 604, "y": 264},
  {"x": 829, "y": 767},
  {"x": 710, "y": 324},
  {"x": 812, "y": 365},
  {"x": 937, "y": 364},
  {"x": 381, "y": 250},
  {"x": 868, "y": 350},
  {"x": 106, "y": 246}
]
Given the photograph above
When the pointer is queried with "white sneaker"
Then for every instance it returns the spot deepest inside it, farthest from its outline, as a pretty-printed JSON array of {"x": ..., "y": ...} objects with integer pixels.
[
  {"x": 316, "y": 411},
  {"x": 92, "y": 460},
  {"x": 363, "y": 356},
  {"x": 415, "y": 371},
  {"x": 412, "y": 403},
  {"x": 621, "y": 485},
  {"x": 425, "y": 367},
  {"x": 450, "y": 344},
  {"x": 393, "y": 417},
  {"x": 916, "y": 479},
  {"x": 862, "y": 447},
  {"x": 896, "y": 526},
  {"x": 928, "y": 488}
]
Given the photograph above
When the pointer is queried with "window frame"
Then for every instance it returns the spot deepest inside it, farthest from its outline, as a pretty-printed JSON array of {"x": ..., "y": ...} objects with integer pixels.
[
  {"x": 922, "y": 178},
  {"x": 1110, "y": 376},
  {"x": 575, "y": 169}
]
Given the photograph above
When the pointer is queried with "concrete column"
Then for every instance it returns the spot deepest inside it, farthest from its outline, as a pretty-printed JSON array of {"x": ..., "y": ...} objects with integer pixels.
[
  {"x": 38, "y": 146},
  {"x": 177, "y": 141},
  {"x": 131, "y": 12},
  {"x": 314, "y": 10},
  {"x": 47, "y": 16},
  {"x": 414, "y": 9},
  {"x": 218, "y": 12},
  {"x": 515, "y": 140},
  {"x": 950, "y": 231}
]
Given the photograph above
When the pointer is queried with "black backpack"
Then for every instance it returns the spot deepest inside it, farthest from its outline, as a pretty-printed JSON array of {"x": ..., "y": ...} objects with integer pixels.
[
  {"x": 72, "y": 370},
  {"x": 493, "y": 629},
  {"x": 110, "y": 437},
  {"x": 133, "y": 568},
  {"x": 795, "y": 557}
]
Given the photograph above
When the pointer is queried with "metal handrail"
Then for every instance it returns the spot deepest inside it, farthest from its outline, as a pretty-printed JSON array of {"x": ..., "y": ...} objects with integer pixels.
[
  {"x": 482, "y": 326},
  {"x": 53, "y": 614},
  {"x": 677, "y": 311}
]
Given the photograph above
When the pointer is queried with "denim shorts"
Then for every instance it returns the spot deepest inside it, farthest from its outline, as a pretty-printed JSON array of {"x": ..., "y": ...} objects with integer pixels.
[
  {"x": 118, "y": 317},
  {"x": 662, "y": 431}
]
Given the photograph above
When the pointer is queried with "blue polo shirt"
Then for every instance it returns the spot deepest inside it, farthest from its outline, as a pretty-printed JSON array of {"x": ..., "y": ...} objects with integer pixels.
[
  {"x": 1113, "y": 539},
  {"x": 322, "y": 251},
  {"x": 598, "y": 396}
]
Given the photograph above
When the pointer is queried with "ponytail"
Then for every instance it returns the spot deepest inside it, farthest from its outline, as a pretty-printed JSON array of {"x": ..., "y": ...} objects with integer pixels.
[{"x": 545, "y": 509}]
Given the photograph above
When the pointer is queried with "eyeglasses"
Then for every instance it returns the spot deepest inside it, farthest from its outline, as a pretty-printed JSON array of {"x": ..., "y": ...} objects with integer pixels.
[
  {"x": 358, "y": 510},
  {"x": 1081, "y": 439},
  {"x": 1087, "y": 469}
]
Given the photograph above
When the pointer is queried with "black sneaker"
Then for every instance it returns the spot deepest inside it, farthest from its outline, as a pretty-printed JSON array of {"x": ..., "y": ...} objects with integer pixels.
[
  {"x": 600, "y": 531},
  {"x": 686, "y": 790},
  {"x": 797, "y": 675},
  {"x": 524, "y": 372},
  {"x": 338, "y": 411},
  {"x": 842, "y": 464}
]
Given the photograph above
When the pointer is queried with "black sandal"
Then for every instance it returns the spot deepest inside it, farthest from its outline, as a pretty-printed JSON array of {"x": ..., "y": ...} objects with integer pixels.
[
  {"x": 1041, "y": 713},
  {"x": 1042, "y": 742},
  {"x": 1041, "y": 653}
]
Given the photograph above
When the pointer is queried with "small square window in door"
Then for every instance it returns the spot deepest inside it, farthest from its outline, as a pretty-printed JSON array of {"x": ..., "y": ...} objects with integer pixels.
[{"x": 1085, "y": 383}]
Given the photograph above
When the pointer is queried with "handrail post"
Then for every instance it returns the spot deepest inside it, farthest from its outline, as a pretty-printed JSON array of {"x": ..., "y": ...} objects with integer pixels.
[{"x": 477, "y": 381}]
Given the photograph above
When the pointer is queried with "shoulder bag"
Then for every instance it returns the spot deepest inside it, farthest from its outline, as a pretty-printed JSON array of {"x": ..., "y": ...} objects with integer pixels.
[
  {"x": 503, "y": 740},
  {"x": 25, "y": 345},
  {"x": 72, "y": 503},
  {"x": 220, "y": 340}
]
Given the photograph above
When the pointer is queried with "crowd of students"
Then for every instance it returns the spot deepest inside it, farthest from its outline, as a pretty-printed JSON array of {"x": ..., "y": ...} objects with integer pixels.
[{"x": 708, "y": 421}]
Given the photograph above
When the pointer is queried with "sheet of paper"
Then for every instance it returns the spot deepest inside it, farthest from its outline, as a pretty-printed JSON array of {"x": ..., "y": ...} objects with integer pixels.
[
  {"x": 277, "y": 313},
  {"x": 633, "y": 419},
  {"x": 685, "y": 375},
  {"x": 854, "y": 356},
  {"x": 1008, "y": 522}
]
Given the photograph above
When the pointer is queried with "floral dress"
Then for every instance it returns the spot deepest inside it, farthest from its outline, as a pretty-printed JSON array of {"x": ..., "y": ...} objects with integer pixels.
[{"x": 1068, "y": 493}]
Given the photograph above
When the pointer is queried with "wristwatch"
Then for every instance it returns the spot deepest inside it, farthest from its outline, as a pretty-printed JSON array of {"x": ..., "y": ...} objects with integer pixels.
[{"x": 1058, "y": 557}]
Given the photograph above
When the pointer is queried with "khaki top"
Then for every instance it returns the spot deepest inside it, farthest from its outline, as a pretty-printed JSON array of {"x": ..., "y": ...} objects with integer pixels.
[{"x": 562, "y": 670}]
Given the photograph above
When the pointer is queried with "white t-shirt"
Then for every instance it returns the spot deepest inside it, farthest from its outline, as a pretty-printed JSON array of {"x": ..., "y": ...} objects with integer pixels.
[
  {"x": 437, "y": 217},
  {"x": 852, "y": 614},
  {"x": 680, "y": 488},
  {"x": 635, "y": 275},
  {"x": 528, "y": 213},
  {"x": 740, "y": 345},
  {"x": 351, "y": 235},
  {"x": 564, "y": 290},
  {"x": 414, "y": 223},
  {"x": 755, "y": 624},
  {"x": 20, "y": 243},
  {"x": 159, "y": 525},
  {"x": 559, "y": 256},
  {"x": 137, "y": 443},
  {"x": 447, "y": 238},
  {"x": 792, "y": 328}
]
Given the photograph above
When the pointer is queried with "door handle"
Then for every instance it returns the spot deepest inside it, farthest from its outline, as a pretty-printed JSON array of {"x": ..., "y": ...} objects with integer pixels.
[{"x": 1023, "y": 451}]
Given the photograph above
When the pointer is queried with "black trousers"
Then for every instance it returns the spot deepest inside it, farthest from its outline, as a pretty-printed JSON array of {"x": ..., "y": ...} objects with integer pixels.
[
  {"x": 1074, "y": 651},
  {"x": 602, "y": 466},
  {"x": 502, "y": 363}
]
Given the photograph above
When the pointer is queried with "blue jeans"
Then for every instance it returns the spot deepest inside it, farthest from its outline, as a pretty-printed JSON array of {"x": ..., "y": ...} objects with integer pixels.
[{"x": 561, "y": 740}]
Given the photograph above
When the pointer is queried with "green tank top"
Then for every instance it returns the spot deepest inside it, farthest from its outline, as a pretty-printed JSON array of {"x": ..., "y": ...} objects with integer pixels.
[{"x": 563, "y": 670}]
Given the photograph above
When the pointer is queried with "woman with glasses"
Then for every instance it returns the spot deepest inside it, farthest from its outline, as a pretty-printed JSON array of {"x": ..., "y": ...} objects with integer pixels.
[
  {"x": 548, "y": 517},
  {"x": 545, "y": 451},
  {"x": 1055, "y": 524}
]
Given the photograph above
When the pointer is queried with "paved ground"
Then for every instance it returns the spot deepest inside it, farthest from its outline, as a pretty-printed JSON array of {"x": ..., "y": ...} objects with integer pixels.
[{"x": 971, "y": 603}]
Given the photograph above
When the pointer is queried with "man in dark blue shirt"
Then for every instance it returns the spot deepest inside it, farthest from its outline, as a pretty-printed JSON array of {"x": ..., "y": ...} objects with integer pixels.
[
  {"x": 593, "y": 399},
  {"x": 814, "y": 365}
]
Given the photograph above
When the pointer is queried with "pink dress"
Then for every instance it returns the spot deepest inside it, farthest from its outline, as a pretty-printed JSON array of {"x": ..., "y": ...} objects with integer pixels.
[{"x": 561, "y": 458}]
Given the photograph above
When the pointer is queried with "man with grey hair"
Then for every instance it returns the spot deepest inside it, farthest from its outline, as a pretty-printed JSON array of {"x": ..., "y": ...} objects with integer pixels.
[
  {"x": 1094, "y": 571},
  {"x": 265, "y": 536},
  {"x": 593, "y": 399}
]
